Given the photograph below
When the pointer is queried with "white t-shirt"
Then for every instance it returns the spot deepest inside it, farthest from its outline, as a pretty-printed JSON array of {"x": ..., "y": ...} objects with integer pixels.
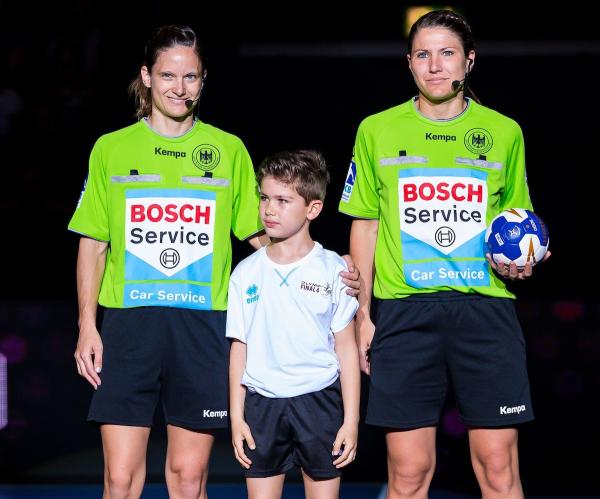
[{"x": 287, "y": 316}]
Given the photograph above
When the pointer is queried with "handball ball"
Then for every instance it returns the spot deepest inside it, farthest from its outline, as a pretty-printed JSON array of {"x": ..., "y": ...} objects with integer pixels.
[{"x": 517, "y": 235}]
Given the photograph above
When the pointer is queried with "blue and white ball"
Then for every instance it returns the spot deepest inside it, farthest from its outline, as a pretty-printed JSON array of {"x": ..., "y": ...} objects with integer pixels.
[{"x": 517, "y": 235}]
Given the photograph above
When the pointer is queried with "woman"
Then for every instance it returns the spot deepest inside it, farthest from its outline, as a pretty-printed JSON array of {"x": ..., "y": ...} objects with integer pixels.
[
  {"x": 426, "y": 178},
  {"x": 156, "y": 213}
]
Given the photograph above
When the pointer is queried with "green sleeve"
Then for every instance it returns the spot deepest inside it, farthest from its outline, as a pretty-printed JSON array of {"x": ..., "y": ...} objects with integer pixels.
[
  {"x": 516, "y": 191},
  {"x": 91, "y": 215},
  {"x": 245, "y": 219},
  {"x": 361, "y": 199}
]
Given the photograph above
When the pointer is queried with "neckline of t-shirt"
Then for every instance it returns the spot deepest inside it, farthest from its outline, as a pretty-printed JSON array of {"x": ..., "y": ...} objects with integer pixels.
[
  {"x": 297, "y": 263},
  {"x": 442, "y": 121},
  {"x": 175, "y": 138}
]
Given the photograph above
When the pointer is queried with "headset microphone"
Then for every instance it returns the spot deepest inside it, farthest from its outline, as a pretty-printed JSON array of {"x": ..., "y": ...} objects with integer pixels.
[{"x": 456, "y": 84}]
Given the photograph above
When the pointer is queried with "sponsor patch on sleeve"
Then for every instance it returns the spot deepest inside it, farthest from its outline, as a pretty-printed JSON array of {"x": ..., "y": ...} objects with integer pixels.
[
  {"x": 82, "y": 193},
  {"x": 350, "y": 179}
]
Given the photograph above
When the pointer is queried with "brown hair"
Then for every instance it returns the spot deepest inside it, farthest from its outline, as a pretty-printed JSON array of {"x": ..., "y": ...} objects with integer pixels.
[
  {"x": 455, "y": 23},
  {"x": 162, "y": 39},
  {"x": 305, "y": 169}
]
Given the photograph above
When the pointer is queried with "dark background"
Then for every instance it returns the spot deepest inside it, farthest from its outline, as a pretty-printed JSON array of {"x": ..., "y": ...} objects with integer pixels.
[{"x": 289, "y": 76}]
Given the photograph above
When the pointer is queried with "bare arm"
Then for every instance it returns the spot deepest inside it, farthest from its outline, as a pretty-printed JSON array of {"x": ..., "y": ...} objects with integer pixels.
[
  {"x": 347, "y": 352},
  {"x": 240, "y": 430},
  {"x": 363, "y": 236},
  {"x": 259, "y": 240},
  {"x": 91, "y": 261}
]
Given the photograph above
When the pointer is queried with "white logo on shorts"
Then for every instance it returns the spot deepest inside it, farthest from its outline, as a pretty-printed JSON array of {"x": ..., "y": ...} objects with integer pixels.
[
  {"x": 214, "y": 414},
  {"x": 512, "y": 410}
]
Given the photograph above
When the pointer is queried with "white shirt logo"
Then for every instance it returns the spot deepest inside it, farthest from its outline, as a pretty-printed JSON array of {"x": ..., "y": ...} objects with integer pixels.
[{"x": 169, "y": 233}]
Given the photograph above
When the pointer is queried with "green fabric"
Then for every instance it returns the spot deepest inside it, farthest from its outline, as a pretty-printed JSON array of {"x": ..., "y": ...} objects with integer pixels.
[
  {"x": 167, "y": 205},
  {"x": 434, "y": 186}
]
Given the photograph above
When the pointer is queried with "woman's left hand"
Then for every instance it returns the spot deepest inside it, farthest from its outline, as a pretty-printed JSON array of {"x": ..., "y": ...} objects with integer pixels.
[
  {"x": 351, "y": 277},
  {"x": 510, "y": 271}
]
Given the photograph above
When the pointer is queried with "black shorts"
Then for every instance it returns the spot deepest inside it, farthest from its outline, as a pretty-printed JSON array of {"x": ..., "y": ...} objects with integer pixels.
[
  {"x": 174, "y": 355},
  {"x": 423, "y": 342},
  {"x": 295, "y": 431}
]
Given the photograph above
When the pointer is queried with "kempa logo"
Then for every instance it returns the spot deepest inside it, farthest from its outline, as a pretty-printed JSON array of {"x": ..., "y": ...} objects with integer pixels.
[
  {"x": 159, "y": 151},
  {"x": 321, "y": 289},
  {"x": 252, "y": 293},
  {"x": 445, "y": 138},
  {"x": 512, "y": 410},
  {"x": 214, "y": 414}
]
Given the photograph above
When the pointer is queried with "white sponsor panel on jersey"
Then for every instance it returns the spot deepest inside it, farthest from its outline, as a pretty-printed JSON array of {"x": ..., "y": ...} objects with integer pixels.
[
  {"x": 442, "y": 226},
  {"x": 169, "y": 230},
  {"x": 443, "y": 208}
]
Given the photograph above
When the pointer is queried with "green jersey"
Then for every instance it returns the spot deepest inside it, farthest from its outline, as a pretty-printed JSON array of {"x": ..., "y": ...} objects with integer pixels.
[
  {"x": 434, "y": 186},
  {"x": 166, "y": 206}
]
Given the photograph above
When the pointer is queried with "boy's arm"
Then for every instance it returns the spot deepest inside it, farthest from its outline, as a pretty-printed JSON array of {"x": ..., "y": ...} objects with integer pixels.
[
  {"x": 347, "y": 352},
  {"x": 240, "y": 430}
]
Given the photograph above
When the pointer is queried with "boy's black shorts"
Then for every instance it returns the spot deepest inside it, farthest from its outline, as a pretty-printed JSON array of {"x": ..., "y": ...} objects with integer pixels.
[
  {"x": 173, "y": 355},
  {"x": 295, "y": 431},
  {"x": 423, "y": 342}
]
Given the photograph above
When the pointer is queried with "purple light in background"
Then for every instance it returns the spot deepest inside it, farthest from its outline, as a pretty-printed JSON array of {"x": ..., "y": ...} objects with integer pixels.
[
  {"x": 453, "y": 426},
  {"x": 14, "y": 348},
  {"x": 3, "y": 392}
]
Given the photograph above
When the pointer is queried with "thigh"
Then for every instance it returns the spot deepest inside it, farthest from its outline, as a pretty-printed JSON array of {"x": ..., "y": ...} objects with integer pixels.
[
  {"x": 315, "y": 419},
  {"x": 413, "y": 449},
  {"x": 188, "y": 449},
  {"x": 411, "y": 453},
  {"x": 195, "y": 372},
  {"x": 272, "y": 435},
  {"x": 265, "y": 488},
  {"x": 321, "y": 489},
  {"x": 408, "y": 371},
  {"x": 132, "y": 359},
  {"x": 490, "y": 446},
  {"x": 124, "y": 448},
  {"x": 487, "y": 362}
]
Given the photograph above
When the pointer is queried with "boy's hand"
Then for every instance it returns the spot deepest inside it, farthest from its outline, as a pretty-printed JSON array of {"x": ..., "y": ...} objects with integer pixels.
[
  {"x": 240, "y": 431},
  {"x": 345, "y": 445},
  {"x": 351, "y": 277}
]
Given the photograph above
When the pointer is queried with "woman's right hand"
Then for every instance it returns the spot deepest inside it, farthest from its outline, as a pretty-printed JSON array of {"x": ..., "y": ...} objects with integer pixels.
[
  {"x": 88, "y": 355},
  {"x": 366, "y": 331}
]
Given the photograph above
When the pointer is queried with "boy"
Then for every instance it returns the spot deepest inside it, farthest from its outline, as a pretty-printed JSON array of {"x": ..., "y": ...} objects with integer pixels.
[{"x": 294, "y": 373}]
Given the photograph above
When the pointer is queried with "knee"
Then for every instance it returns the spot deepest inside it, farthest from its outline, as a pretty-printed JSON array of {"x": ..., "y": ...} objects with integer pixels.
[
  {"x": 119, "y": 483},
  {"x": 500, "y": 472},
  {"x": 409, "y": 477},
  {"x": 187, "y": 479}
]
